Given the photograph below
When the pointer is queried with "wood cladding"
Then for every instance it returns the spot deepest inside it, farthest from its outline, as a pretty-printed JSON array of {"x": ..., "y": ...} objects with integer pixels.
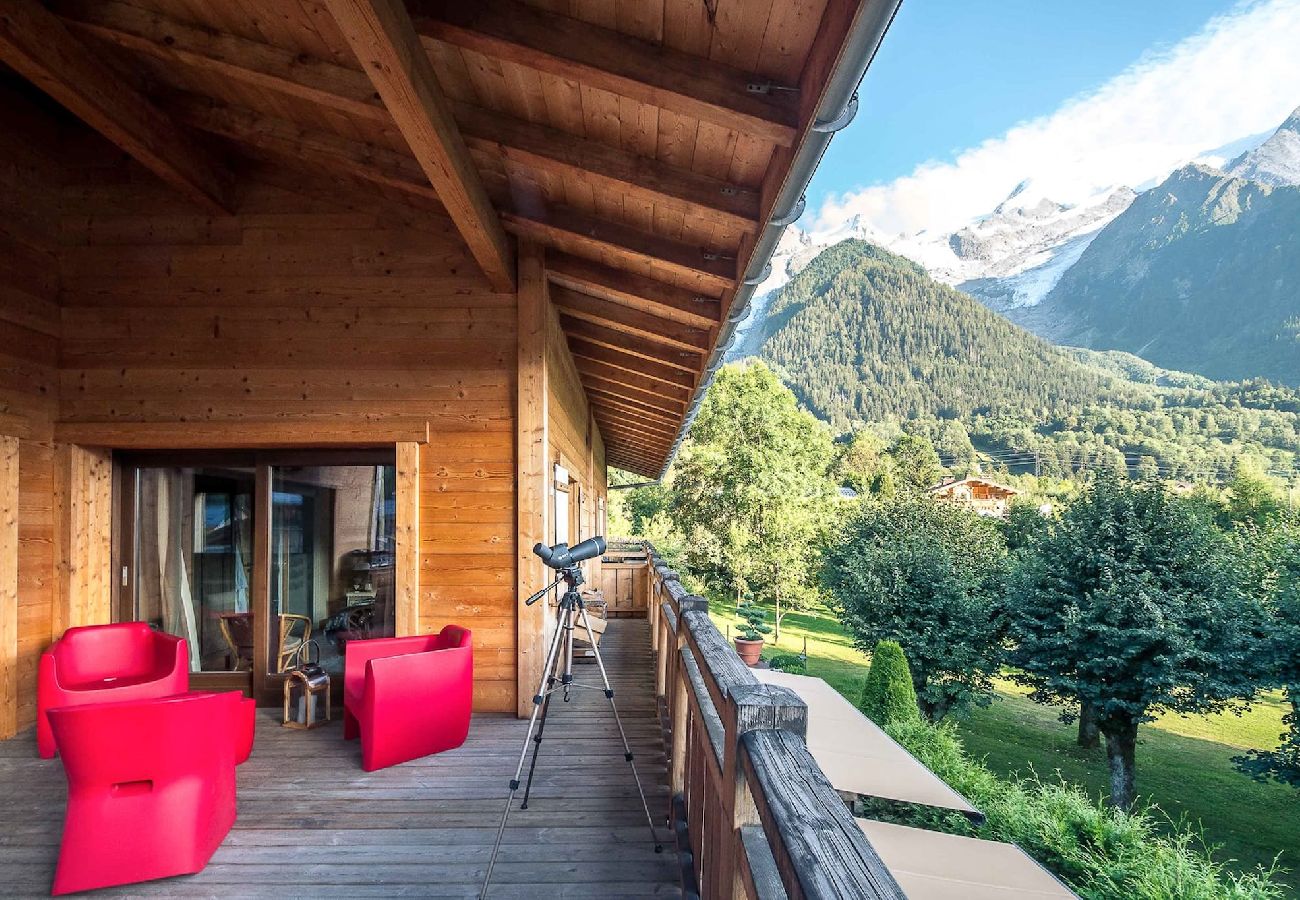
[
  {"x": 30, "y": 182},
  {"x": 10, "y": 488},
  {"x": 311, "y": 321}
]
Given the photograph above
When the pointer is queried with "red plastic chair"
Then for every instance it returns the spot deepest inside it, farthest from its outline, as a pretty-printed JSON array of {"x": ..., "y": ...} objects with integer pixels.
[
  {"x": 151, "y": 786},
  {"x": 408, "y": 697},
  {"x": 104, "y": 664}
]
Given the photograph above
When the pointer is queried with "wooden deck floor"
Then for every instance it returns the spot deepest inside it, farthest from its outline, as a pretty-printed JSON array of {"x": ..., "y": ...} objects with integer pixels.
[{"x": 312, "y": 824}]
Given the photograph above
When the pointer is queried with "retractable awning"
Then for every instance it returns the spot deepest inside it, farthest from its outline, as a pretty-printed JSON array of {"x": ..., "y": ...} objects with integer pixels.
[{"x": 856, "y": 755}]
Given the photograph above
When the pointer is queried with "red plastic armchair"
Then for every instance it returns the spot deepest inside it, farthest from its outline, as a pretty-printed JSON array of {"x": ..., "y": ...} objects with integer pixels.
[
  {"x": 408, "y": 697},
  {"x": 107, "y": 663},
  {"x": 151, "y": 786}
]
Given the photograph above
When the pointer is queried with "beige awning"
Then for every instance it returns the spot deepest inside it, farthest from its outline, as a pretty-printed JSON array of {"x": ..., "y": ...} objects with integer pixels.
[
  {"x": 930, "y": 865},
  {"x": 856, "y": 755}
]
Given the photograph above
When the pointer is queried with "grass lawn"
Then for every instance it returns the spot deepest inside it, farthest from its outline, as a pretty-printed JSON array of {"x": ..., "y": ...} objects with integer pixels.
[{"x": 1183, "y": 763}]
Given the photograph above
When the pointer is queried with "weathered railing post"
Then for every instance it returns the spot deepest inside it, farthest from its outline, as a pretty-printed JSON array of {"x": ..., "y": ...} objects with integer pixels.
[
  {"x": 753, "y": 707},
  {"x": 681, "y": 699}
]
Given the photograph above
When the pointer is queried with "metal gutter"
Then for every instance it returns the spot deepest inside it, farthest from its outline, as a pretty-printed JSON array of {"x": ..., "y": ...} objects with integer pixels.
[{"x": 838, "y": 106}]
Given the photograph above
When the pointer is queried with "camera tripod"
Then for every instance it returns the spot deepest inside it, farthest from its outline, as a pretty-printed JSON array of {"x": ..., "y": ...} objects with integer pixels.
[{"x": 571, "y": 609}]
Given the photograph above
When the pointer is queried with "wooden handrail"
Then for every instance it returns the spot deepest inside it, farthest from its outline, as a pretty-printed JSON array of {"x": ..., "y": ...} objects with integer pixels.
[{"x": 761, "y": 820}]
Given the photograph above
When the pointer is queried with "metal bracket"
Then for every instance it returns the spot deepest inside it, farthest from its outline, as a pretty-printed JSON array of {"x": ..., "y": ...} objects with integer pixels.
[
  {"x": 768, "y": 87},
  {"x": 792, "y": 216},
  {"x": 761, "y": 276},
  {"x": 711, "y": 256},
  {"x": 843, "y": 118}
]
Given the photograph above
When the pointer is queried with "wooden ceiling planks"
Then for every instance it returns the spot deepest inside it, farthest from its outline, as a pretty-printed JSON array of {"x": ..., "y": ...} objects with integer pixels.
[
  {"x": 643, "y": 141},
  {"x": 608, "y": 60}
]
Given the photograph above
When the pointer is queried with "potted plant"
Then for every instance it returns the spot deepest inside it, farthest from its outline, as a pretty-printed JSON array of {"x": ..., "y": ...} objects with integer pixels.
[{"x": 749, "y": 643}]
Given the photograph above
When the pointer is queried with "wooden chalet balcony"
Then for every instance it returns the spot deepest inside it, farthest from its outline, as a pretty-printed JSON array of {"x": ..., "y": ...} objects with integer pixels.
[{"x": 312, "y": 823}]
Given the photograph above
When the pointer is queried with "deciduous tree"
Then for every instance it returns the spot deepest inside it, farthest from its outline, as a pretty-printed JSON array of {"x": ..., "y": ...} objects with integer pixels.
[
  {"x": 1134, "y": 605},
  {"x": 929, "y": 576},
  {"x": 751, "y": 490}
]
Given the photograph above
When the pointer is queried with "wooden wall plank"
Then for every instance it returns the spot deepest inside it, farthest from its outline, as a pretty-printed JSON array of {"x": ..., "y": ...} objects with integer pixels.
[
  {"x": 407, "y": 568},
  {"x": 533, "y": 472},
  {"x": 83, "y": 499},
  {"x": 10, "y": 489},
  {"x": 266, "y": 335}
]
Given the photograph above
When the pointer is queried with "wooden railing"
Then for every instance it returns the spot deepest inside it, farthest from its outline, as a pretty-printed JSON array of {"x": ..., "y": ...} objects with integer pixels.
[{"x": 754, "y": 815}]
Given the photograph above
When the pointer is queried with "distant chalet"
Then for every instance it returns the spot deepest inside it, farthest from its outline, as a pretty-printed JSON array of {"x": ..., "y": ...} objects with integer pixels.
[{"x": 988, "y": 498}]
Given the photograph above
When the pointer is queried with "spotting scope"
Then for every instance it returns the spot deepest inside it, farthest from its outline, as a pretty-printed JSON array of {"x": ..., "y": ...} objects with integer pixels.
[{"x": 562, "y": 556}]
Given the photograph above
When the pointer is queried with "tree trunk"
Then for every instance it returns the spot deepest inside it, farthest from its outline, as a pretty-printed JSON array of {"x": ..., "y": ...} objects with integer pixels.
[
  {"x": 776, "y": 632},
  {"x": 1121, "y": 750},
  {"x": 1089, "y": 735}
]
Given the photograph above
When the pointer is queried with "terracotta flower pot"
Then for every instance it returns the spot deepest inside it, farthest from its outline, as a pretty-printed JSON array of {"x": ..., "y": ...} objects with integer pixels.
[{"x": 748, "y": 650}]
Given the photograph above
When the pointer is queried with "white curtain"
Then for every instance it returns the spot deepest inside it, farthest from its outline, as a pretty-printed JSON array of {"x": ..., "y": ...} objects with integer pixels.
[{"x": 165, "y": 531}]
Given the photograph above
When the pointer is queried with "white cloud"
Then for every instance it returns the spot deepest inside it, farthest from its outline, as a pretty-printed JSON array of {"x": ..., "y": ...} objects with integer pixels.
[{"x": 1239, "y": 75}]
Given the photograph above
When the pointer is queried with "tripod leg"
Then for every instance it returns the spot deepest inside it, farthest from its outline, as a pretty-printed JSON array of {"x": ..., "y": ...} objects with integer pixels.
[
  {"x": 541, "y": 723},
  {"x": 539, "y": 699},
  {"x": 627, "y": 748}
]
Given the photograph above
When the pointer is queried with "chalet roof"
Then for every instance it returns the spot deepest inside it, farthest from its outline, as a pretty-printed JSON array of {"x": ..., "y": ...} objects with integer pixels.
[
  {"x": 947, "y": 485},
  {"x": 654, "y": 148}
]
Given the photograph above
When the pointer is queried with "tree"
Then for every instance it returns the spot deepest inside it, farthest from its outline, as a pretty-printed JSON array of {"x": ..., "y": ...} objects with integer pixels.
[
  {"x": 889, "y": 697},
  {"x": 916, "y": 464},
  {"x": 1133, "y": 605},
  {"x": 751, "y": 489},
  {"x": 929, "y": 576},
  {"x": 1252, "y": 498},
  {"x": 1283, "y": 553},
  {"x": 863, "y": 466}
]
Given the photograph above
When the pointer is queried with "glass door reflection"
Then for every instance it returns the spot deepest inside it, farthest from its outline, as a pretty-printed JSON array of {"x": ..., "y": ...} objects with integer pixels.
[
  {"x": 194, "y": 560},
  {"x": 331, "y": 560}
]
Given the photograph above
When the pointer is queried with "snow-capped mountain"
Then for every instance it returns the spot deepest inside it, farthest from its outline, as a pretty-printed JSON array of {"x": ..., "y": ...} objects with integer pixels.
[
  {"x": 1011, "y": 257},
  {"x": 1015, "y": 256},
  {"x": 1276, "y": 162}
]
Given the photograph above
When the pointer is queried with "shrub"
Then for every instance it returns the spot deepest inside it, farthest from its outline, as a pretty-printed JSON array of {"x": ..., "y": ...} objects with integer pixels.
[
  {"x": 889, "y": 696},
  {"x": 1102, "y": 852},
  {"x": 752, "y": 619},
  {"x": 789, "y": 662}
]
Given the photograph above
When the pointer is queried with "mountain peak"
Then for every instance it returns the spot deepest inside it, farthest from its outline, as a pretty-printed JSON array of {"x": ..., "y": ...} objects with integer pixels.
[{"x": 1276, "y": 162}]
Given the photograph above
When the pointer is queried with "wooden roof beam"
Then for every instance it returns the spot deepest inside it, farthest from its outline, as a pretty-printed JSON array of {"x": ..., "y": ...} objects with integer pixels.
[
  {"x": 669, "y": 409},
  {"x": 614, "y": 62},
  {"x": 683, "y": 360},
  {"x": 636, "y": 366},
  {"x": 349, "y": 91},
  {"x": 229, "y": 56},
  {"x": 635, "y": 465},
  {"x": 546, "y": 149},
  {"x": 631, "y": 289},
  {"x": 630, "y": 321},
  {"x": 646, "y": 469},
  {"x": 631, "y": 434},
  {"x": 37, "y": 45},
  {"x": 383, "y": 39},
  {"x": 631, "y": 379},
  {"x": 664, "y": 418},
  {"x": 563, "y": 228},
  {"x": 368, "y": 162}
]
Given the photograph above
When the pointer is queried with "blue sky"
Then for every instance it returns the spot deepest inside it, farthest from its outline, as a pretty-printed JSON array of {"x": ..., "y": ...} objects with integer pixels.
[{"x": 954, "y": 74}]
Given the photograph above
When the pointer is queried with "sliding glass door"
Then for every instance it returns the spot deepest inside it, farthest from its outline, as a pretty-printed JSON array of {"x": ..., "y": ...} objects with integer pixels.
[
  {"x": 193, "y": 560},
  {"x": 249, "y": 557}
]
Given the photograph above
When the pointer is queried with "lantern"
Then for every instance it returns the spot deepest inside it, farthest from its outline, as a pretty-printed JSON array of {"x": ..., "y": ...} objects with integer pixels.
[{"x": 307, "y": 690}]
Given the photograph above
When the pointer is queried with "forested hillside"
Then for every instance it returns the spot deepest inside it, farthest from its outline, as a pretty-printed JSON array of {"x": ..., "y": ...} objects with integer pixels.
[{"x": 864, "y": 336}]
